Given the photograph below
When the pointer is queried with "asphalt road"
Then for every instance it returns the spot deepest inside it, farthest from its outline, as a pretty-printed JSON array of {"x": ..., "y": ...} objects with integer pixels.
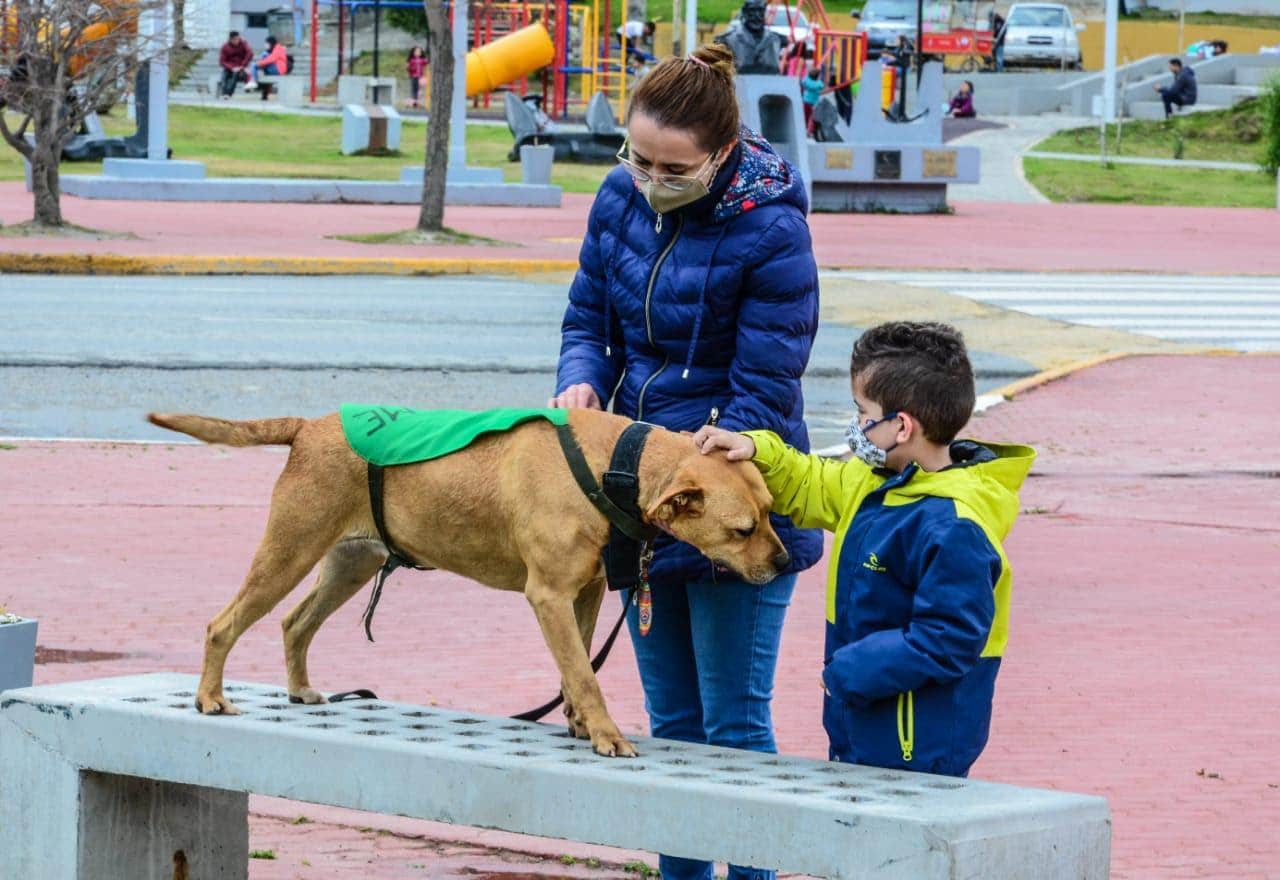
[{"x": 87, "y": 357}]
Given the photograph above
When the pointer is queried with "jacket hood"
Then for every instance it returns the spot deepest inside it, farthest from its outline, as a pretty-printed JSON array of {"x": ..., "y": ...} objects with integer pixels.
[
  {"x": 985, "y": 478},
  {"x": 761, "y": 176}
]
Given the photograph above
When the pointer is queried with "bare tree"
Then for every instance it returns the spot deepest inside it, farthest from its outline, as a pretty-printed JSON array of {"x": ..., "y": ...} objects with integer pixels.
[
  {"x": 435, "y": 169},
  {"x": 179, "y": 23},
  {"x": 57, "y": 59}
]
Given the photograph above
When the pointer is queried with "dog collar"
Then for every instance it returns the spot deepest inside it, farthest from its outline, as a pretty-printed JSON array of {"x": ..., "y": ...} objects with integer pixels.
[{"x": 618, "y": 499}]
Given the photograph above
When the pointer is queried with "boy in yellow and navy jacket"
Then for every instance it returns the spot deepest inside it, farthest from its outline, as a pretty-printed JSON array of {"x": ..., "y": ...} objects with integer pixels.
[{"x": 918, "y": 588}]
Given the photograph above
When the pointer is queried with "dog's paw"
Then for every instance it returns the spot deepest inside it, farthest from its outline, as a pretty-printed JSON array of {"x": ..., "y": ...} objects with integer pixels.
[
  {"x": 613, "y": 745},
  {"x": 309, "y": 696},
  {"x": 577, "y": 727},
  {"x": 215, "y": 705}
]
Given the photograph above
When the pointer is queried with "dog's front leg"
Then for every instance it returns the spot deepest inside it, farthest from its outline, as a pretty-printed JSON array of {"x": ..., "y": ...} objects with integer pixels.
[
  {"x": 555, "y": 612},
  {"x": 586, "y": 609}
]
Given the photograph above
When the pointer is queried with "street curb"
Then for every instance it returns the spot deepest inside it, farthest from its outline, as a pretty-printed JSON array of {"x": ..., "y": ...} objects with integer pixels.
[
  {"x": 1044, "y": 377},
  {"x": 120, "y": 264}
]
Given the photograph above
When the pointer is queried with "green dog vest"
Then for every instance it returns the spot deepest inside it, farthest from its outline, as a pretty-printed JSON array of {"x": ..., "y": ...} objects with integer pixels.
[{"x": 392, "y": 435}]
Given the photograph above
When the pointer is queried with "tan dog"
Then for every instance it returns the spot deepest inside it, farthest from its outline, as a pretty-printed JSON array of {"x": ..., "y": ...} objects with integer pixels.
[{"x": 505, "y": 511}]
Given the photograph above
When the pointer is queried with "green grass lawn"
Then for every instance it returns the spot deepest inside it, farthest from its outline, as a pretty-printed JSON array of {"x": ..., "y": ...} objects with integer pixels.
[
  {"x": 1063, "y": 181},
  {"x": 236, "y": 143},
  {"x": 1234, "y": 135}
]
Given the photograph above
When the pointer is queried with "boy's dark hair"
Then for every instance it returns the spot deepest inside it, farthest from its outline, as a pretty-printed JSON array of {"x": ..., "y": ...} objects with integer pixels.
[
  {"x": 920, "y": 368},
  {"x": 1176, "y": 62}
]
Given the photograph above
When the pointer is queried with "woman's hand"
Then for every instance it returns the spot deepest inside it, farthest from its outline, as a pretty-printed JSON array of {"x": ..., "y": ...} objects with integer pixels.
[
  {"x": 737, "y": 447},
  {"x": 580, "y": 396}
]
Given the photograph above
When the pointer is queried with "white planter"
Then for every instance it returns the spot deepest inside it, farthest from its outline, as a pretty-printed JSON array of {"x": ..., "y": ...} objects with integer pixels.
[
  {"x": 535, "y": 163},
  {"x": 17, "y": 654}
]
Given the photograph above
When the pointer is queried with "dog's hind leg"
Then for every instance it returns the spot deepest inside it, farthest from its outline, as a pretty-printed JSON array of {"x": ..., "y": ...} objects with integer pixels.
[
  {"x": 586, "y": 610},
  {"x": 345, "y": 569},
  {"x": 298, "y": 534}
]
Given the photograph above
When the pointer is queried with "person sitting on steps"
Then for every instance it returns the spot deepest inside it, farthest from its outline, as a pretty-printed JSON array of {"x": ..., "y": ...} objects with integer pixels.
[
  {"x": 274, "y": 62},
  {"x": 1183, "y": 91}
]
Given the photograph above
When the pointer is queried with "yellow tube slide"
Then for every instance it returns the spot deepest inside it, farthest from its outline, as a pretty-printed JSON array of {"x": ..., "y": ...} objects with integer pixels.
[{"x": 509, "y": 58}]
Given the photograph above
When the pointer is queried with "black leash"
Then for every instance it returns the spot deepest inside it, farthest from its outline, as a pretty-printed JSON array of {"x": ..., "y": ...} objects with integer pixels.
[
  {"x": 533, "y": 714},
  {"x": 598, "y": 661}
]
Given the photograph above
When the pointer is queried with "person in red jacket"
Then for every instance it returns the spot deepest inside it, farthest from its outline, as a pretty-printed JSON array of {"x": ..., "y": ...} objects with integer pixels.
[
  {"x": 235, "y": 57},
  {"x": 274, "y": 62},
  {"x": 416, "y": 68}
]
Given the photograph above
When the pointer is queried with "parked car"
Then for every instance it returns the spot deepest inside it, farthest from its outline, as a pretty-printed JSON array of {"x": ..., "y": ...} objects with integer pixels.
[
  {"x": 883, "y": 21},
  {"x": 1042, "y": 33}
]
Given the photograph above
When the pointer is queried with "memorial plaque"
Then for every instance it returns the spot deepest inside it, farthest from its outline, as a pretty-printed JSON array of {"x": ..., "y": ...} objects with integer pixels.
[
  {"x": 840, "y": 159},
  {"x": 888, "y": 164},
  {"x": 939, "y": 163}
]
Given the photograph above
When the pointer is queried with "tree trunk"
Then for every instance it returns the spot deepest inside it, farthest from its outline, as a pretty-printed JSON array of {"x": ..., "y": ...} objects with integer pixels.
[
  {"x": 436, "y": 167},
  {"x": 44, "y": 166},
  {"x": 45, "y": 188},
  {"x": 179, "y": 23}
]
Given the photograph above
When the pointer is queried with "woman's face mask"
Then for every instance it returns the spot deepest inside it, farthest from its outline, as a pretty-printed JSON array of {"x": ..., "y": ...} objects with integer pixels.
[{"x": 667, "y": 192}]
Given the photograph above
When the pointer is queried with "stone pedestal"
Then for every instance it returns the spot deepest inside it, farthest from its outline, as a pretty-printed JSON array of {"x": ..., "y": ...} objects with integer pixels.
[
  {"x": 370, "y": 127},
  {"x": 891, "y": 167}
]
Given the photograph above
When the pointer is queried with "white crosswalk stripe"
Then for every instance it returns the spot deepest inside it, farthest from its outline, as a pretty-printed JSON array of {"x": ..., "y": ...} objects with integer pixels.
[{"x": 1239, "y": 311}]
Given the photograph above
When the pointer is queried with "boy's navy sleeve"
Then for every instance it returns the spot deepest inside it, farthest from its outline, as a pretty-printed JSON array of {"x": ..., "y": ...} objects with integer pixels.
[
  {"x": 951, "y": 619},
  {"x": 583, "y": 344}
]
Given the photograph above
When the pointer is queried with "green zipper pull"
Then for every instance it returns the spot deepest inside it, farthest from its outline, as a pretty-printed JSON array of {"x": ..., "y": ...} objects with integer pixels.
[{"x": 907, "y": 724}]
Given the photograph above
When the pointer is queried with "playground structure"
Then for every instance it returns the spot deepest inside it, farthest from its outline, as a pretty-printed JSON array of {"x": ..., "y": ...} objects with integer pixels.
[{"x": 572, "y": 59}]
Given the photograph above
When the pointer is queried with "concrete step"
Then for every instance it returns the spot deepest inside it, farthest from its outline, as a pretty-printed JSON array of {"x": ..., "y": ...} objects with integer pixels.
[
  {"x": 1256, "y": 76},
  {"x": 1155, "y": 109},
  {"x": 1226, "y": 95}
]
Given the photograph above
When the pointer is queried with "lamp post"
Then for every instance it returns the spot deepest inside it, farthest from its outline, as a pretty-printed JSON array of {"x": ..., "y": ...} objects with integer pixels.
[{"x": 377, "y": 24}]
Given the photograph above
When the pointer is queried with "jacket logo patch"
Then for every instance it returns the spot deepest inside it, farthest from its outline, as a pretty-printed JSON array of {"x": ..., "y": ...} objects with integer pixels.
[{"x": 874, "y": 564}]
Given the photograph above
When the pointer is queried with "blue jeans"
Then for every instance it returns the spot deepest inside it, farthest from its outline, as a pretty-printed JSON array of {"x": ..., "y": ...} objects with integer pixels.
[{"x": 707, "y": 669}]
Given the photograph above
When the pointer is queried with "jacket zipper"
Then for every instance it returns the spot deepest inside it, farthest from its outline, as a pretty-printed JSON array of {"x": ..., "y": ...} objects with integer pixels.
[
  {"x": 648, "y": 321},
  {"x": 907, "y": 724}
]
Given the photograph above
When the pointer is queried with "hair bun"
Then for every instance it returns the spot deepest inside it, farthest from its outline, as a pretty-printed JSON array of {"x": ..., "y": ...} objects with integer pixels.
[{"x": 717, "y": 57}]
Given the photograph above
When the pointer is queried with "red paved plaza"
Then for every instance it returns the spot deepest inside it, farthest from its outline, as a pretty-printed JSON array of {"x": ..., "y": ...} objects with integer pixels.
[{"x": 1143, "y": 662}]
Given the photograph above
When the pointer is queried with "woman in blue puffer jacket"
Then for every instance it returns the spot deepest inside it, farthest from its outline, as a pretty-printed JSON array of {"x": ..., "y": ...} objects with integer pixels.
[{"x": 697, "y": 293}]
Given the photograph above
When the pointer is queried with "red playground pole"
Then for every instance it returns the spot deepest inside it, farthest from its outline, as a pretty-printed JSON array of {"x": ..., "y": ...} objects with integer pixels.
[{"x": 315, "y": 27}]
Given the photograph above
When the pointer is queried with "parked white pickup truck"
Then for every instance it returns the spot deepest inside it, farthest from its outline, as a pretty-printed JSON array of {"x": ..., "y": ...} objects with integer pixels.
[{"x": 1042, "y": 33}]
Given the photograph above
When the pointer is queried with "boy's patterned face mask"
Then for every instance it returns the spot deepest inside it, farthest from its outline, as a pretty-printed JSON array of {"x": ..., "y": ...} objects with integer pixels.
[{"x": 863, "y": 449}]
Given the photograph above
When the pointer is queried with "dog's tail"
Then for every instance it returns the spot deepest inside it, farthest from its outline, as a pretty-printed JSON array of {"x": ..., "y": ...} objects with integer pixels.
[{"x": 258, "y": 432}]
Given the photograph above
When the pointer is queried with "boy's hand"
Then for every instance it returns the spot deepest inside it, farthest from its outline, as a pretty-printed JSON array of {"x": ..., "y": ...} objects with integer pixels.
[{"x": 737, "y": 447}]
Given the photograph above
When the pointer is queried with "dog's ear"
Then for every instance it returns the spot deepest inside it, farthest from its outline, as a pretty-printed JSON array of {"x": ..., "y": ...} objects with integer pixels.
[{"x": 682, "y": 497}]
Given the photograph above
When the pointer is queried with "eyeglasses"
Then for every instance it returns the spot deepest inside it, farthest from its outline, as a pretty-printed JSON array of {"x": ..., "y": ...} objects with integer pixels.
[{"x": 676, "y": 182}]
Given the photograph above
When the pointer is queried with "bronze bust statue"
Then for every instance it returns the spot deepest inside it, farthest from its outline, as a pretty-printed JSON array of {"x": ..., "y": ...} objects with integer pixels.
[{"x": 755, "y": 48}]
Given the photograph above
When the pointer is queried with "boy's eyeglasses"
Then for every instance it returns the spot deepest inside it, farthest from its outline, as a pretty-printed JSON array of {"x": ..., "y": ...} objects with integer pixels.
[{"x": 676, "y": 182}]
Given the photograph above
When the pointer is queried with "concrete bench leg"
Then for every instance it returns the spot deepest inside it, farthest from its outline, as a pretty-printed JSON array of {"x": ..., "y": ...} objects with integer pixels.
[{"x": 58, "y": 822}]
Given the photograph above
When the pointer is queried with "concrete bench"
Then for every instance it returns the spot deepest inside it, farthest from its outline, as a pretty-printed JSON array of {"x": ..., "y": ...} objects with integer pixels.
[
  {"x": 289, "y": 90},
  {"x": 113, "y": 778}
]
